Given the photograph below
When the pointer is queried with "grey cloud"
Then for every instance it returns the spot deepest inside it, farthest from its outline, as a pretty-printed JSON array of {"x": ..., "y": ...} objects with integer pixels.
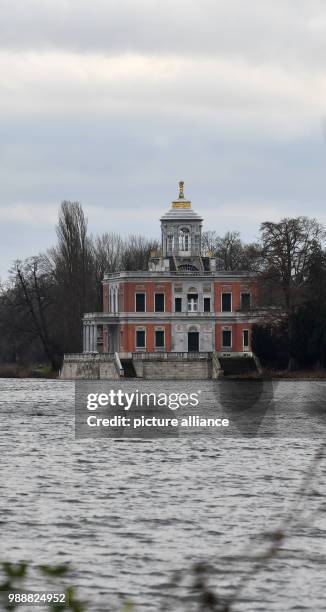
[
  {"x": 284, "y": 31},
  {"x": 111, "y": 103},
  {"x": 234, "y": 94},
  {"x": 126, "y": 173}
]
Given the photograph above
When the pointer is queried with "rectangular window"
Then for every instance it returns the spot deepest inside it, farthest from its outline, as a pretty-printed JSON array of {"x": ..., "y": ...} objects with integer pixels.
[
  {"x": 207, "y": 304},
  {"x": 140, "y": 302},
  {"x": 159, "y": 302},
  {"x": 159, "y": 338},
  {"x": 226, "y": 338},
  {"x": 178, "y": 304},
  {"x": 170, "y": 244},
  {"x": 140, "y": 338},
  {"x": 245, "y": 335},
  {"x": 192, "y": 302},
  {"x": 245, "y": 301},
  {"x": 226, "y": 302}
]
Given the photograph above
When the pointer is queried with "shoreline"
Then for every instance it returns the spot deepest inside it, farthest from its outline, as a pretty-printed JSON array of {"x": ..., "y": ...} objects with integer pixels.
[
  {"x": 12, "y": 370},
  {"x": 43, "y": 371}
]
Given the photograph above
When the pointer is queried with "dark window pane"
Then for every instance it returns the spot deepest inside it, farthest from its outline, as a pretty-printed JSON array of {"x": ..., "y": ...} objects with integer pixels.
[
  {"x": 226, "y": 302},
  {"x": 207, "y": 304},
  {"x": 178, "y": 303},
  {"x": 226, "y": 338},
  {"x": 245, "y": 301},
  {"x": 245, "y": 338},
  {"x": 159, "y": 338},
  {"x": 159, "y": 302},
  {"x": 140, "y": 338},
  {"x": 140, "y": 302}
]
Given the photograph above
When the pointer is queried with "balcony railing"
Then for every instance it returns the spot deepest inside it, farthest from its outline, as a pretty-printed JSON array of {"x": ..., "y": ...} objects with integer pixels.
[
  {"x": 173, "y": 273},
  {"x": 171, "y": 356},
  {"x": 100, "y": 318},
  {"x": 73, "y": 357}
]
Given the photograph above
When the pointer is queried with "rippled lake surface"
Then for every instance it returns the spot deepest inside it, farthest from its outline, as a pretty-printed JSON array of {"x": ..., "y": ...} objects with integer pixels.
[{"x": 130, "y": 515}]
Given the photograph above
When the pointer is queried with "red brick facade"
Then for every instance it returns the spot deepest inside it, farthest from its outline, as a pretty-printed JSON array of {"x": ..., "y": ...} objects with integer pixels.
[
  {"x": 129, "y": 290},
  {"x": 128, "y": 336},
  {"x": 130, "y": 321}
]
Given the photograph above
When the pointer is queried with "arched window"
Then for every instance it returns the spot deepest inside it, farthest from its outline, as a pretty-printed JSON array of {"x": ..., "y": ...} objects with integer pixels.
[{"x": 184, "y": 239}]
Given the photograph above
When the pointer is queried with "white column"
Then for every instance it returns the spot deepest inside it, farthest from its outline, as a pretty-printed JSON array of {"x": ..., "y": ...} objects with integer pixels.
[
  {"x": 84, "y": 338},
  {"x": 91, "y": 338},
  {"x": 88, "y": 338},
  {"x": 106, "y": 328},
  {"x": 95, "y": 338}
]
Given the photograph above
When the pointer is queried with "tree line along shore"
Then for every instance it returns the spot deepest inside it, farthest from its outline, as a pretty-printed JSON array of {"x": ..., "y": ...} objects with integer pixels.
[{"x": 45, "y": 296}]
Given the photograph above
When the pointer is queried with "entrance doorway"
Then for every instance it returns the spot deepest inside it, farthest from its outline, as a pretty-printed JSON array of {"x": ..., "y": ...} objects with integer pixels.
[{"x": 193, "y": 342}]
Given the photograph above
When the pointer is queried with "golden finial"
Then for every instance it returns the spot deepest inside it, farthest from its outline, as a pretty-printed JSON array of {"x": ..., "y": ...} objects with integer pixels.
[
  {"x": 181, "y": 202},
  {"x": 181, "y": 194}
]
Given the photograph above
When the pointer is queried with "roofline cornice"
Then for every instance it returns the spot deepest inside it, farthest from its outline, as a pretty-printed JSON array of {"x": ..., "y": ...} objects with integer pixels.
[{"x": 149, "y": 276}]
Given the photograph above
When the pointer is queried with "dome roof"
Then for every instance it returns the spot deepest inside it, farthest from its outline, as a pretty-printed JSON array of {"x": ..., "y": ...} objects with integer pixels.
[
  {"x": 175, "y": 214},
  {"x": 181, "y": 209}
]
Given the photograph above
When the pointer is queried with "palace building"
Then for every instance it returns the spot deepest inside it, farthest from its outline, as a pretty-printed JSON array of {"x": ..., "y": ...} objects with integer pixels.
[{"x": 183, "y": 302}]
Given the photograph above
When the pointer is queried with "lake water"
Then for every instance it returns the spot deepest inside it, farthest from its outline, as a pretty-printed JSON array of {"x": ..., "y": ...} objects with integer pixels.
[{"x": 131, "y": 514}]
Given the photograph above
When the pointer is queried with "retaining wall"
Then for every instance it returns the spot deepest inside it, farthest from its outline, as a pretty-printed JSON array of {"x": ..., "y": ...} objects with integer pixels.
[
  {"x": 167, "y": 366},
  {"x": 88, "y": 367},
  {"x": 168, "y": 370}
]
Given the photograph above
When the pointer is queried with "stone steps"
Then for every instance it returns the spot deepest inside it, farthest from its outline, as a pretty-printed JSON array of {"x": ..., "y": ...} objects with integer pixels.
[
  {"x": 237, "y": 365},
  {"x": 128, "y": 368}
]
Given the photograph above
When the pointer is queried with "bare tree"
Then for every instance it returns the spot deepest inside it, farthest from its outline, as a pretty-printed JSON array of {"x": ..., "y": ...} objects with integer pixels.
[
  {"x": 288, "y": 248},
  {"x": 231, "y": 253},
  {"x": 74, "y": 271},
  {"x": 136, "y": 252},
  {"x": 108, "y": 253},
  {"x": 209, "y": 242},
  {"x": 29, "y": 304}
]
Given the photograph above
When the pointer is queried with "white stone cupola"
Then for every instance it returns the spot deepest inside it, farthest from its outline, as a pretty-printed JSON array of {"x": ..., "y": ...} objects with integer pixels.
[{"x": 181, "y": 229}]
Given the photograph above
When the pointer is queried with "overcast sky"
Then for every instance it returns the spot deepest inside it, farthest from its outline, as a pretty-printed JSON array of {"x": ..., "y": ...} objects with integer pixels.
[{"x": 112, "y": 102}]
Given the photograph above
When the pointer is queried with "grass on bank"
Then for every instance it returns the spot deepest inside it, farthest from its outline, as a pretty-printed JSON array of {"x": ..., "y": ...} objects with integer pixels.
[{"x": 32, "y": 370}]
